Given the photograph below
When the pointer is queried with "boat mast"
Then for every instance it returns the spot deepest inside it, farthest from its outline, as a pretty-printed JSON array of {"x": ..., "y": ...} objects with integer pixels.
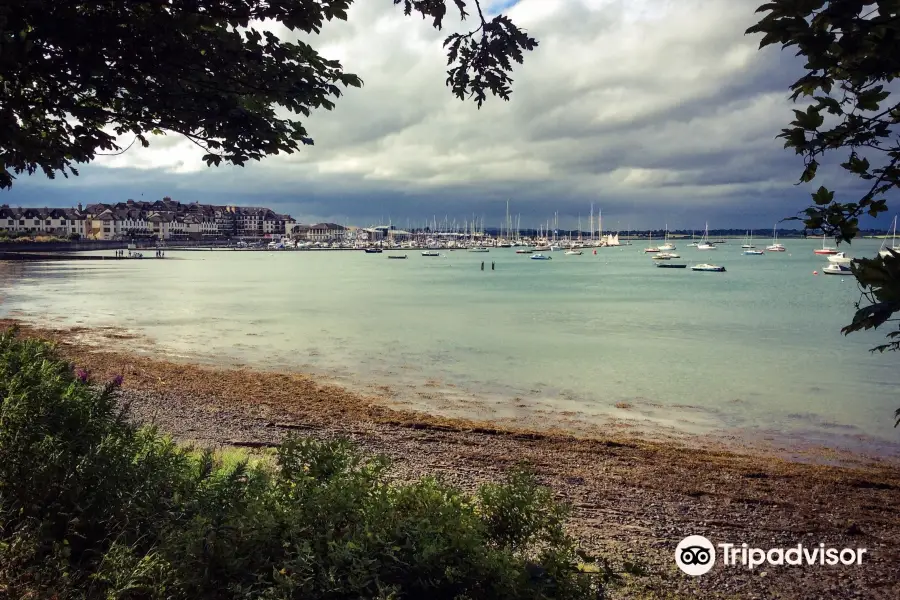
[{"x": 592, "y": 223}]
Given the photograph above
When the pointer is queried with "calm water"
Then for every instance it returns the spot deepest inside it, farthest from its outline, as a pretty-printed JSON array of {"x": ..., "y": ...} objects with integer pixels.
[{"x": 752, "y": 352}]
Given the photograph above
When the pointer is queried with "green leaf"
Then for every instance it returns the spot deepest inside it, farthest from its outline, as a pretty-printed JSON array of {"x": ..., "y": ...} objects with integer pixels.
[{"x": 823, "y": 196}]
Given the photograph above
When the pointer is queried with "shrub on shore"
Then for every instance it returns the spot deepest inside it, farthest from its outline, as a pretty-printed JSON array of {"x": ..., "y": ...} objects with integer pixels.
[{"x": 94, "y": 507}]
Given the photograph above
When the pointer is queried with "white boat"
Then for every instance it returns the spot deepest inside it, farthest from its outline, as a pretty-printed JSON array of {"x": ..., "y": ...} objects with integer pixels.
[
  {"x": 524, "y": 251},
  {"x": 574, "y": 252},
  {"x": 708, "y": 267},
  {"x": 748, "y": 241},
  {"x": 479, "y": 249},
  {"x": 837, "y": 269},
  {"x": 885, "y": 252},
  {"x": 704, "y": 241},
  {"x": 540, "y": 257},
  {"x": 431, "y": 253},
  {"x": 840, "y": 258},
  {"x": 667, "y": 245},
  {"x": 651, "y": 248},
  {"x": 825, "y": 249},
  {"x": 754, "y": 252},
  {"x": 775, "y": 247},
  {"x": 666, "y": 256},
  {"x": 693, "y": 243}
]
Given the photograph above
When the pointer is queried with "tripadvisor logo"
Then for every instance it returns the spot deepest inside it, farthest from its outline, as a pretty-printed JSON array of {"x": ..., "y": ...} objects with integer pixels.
[{"x": 696, "y": 555}]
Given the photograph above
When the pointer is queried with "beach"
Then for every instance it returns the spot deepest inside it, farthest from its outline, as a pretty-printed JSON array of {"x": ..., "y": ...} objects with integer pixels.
[{"x": 633, "y": 498}]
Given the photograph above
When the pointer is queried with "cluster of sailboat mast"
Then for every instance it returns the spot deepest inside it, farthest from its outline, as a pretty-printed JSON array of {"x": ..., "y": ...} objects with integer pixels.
[{"x": 470, "y": 236}]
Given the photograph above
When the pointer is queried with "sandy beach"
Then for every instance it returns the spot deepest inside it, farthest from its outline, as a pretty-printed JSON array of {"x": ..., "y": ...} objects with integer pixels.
[{"x": 633, "y": 499}]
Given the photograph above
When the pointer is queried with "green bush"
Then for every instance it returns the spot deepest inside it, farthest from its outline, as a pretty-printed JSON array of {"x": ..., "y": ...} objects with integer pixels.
[{"x": 94, "y": 507}]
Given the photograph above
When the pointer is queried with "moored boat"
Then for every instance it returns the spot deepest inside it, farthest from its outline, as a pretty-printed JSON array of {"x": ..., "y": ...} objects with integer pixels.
[
  {"x": 540, "y": 257},
  {"x": 397, "y": 256},
  {"x": 837, "y": 269},
  {"x": 840, "y": 258},
  {"x": 885, "y": 252},
  {"x": 825, "y": 250},
  {"x": 669, "y": 265},
  {"x": 431, "y": 253},
  {"x": 708, "y": 267}
]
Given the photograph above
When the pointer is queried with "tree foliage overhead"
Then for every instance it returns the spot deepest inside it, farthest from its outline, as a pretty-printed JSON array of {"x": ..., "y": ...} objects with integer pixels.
[
  {"x": 852, "y": 52},
  {"x": 852, "y": 49},
  {"x": 76, "y": 74}
]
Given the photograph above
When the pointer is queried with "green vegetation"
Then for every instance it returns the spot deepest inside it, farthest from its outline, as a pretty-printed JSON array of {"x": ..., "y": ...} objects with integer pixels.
[
  {"x": 74, "y": 73},
  {"x": 852, "y": 52},
  {"x": 92, "y": 507}
]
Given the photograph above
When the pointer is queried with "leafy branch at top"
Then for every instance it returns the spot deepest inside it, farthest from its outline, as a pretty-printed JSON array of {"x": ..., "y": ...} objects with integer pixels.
[
  {"x": 852, "y": 48},
  {"x": 74, "y": 75},
  {"x": 481, "y": 59}
]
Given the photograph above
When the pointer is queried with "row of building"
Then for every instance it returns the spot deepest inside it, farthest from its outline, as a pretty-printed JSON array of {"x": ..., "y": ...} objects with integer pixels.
[{"x": 163, "y": 219}]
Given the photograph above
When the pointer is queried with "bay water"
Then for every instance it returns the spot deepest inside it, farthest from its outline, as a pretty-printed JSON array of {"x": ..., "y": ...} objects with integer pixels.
[{"x": 575, "y": 341}]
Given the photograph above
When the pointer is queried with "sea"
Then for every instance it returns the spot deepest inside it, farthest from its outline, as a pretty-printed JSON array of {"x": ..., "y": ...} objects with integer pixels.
[{"x": 577, "y": 342}]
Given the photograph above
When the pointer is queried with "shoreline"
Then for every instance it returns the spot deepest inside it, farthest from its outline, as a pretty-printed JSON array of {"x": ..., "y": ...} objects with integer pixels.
[{"x": 633, "y": 499}]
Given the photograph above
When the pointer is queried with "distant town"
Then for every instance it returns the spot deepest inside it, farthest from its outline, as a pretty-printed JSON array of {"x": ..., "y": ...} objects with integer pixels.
[{"x": 170, "y": 220}]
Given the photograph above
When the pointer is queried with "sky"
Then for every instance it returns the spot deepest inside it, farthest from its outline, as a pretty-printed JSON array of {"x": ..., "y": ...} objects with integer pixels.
[{"x": 659, "y": 112}]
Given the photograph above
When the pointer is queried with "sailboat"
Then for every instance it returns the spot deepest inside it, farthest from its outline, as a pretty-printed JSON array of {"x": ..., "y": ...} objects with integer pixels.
[
  {"x": 693, "y": 244},
  {"x": 775, "y": 247},
  {"x": 885, "y": 252},
  {"x": 652, "y": 248},
  {"x": 750, "y": 248},
  {"x": 748, "y": 241},
  {"x": 704, "y": 242},
  {"x": 825, "y": 249},
  {"x": 667, "y": 246}
]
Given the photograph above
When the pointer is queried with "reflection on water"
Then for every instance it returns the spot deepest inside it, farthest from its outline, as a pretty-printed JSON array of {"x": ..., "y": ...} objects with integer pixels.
[{"x": 755, "y": 351}]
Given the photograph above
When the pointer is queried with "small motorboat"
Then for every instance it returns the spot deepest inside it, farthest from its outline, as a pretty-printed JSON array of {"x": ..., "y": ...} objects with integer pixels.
[
  {"x": 524, "y": 251},
  {"x": 776, "y": 248},
  {"x": 705, "y": 246},
  {"x": 837, "y": 269},
  {"x": 574, "y": 252},
  {"x": 708, "y": 267},
  {"x": 840, "y": 258},
  {"x": 754, "y": 252},
  {"x": 397, "y": 256},
  {"x": 669, "y": 265},
  {"x": 373, "y": 250},
  {"x": 540, "y": 256},
  {"x": 479, "y": 249},
  {"x": 666, "y": 256},
  {"x": 431, "y": 253},
  {"x": 651, "y": 249}
]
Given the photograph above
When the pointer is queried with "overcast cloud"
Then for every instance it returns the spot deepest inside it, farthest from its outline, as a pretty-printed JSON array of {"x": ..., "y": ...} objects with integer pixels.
[{"x": 657, "y": 111}]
